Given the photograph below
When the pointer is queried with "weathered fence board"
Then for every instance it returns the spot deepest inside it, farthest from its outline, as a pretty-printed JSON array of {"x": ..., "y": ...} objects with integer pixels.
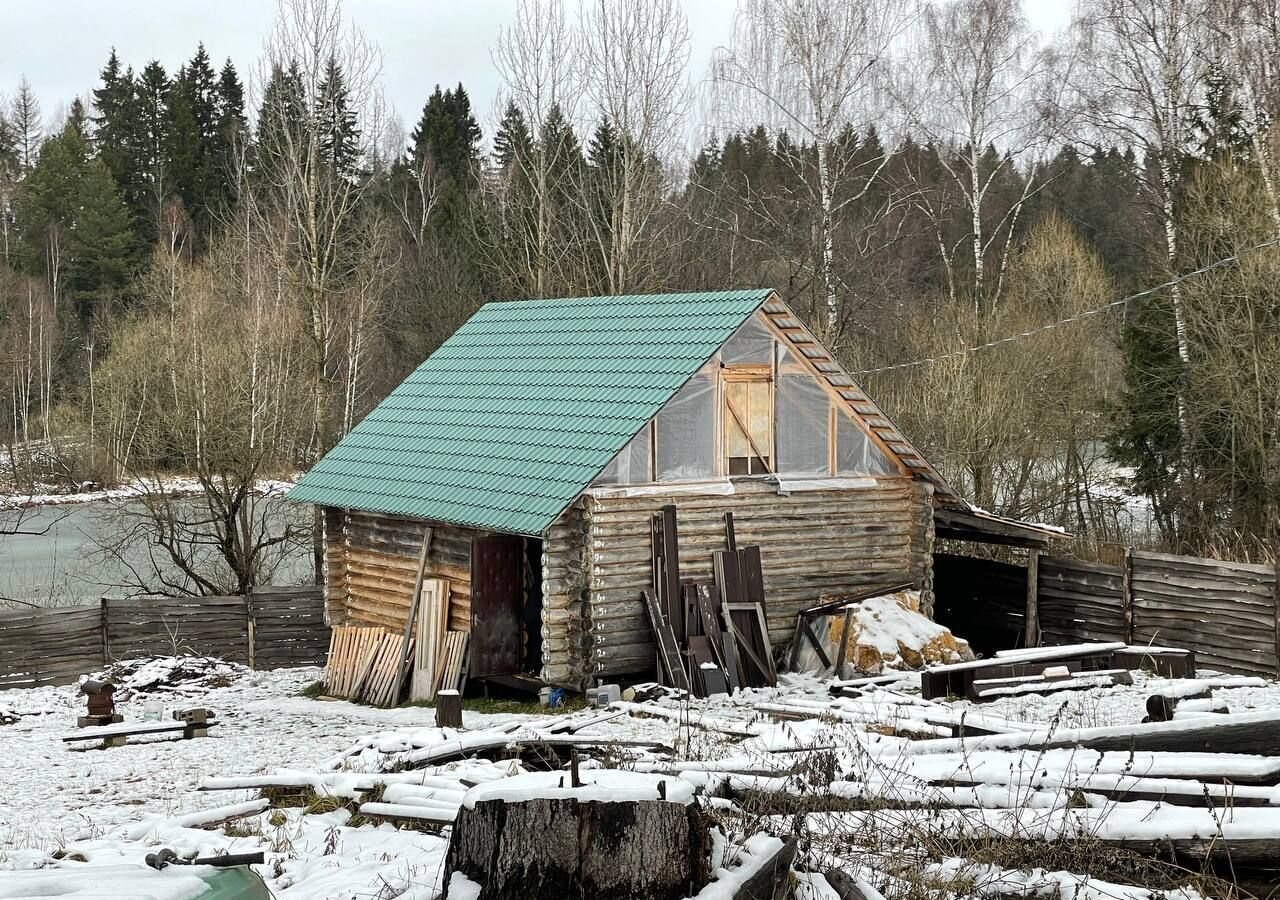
[
  {"x": 1225, "y": 611},
  {"x": 199, "y": 626},
  {"x": 39, "y": 647},
  {"x": 1080, "y": 601},
  {"x": 289, "y": 628},
  {"x": 56, "y": 646}
]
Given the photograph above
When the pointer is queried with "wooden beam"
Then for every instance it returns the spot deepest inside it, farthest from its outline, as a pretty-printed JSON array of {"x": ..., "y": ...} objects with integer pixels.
[
  {"x": 746, "y": 432},
  {"x": 402, "y": 667},
  {"x": 1032, "y": 637},
  {"x": 833, "y": 391}
]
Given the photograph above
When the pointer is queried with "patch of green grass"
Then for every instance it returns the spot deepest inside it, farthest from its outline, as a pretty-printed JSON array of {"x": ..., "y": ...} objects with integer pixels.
[
  {"x": 313, "y": 690},
  {"x": 495, "y": 706}
]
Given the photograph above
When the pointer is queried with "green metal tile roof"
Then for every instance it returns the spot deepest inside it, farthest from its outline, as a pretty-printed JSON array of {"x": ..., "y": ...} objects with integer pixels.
[{"x": 516, "y": 413}]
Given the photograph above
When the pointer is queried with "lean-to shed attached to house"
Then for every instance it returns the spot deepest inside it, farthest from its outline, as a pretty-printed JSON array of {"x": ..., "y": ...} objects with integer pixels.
[{"x": 537, "y": 440}]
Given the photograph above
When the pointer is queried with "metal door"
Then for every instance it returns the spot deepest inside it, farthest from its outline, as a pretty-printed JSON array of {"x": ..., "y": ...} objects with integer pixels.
[{"x": 497, "y": 594}]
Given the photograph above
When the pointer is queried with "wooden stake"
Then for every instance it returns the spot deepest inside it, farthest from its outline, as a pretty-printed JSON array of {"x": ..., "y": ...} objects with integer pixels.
[
  {"x": 1032, "y": 636},
  {"x": 1126, "y": 594},
  {"x": 413, "y": 613},
  {"x": 844, "y": 641}
]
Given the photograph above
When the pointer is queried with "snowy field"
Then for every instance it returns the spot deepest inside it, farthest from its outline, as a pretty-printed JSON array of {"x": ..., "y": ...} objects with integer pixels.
[{"x": 88, "y": 817}]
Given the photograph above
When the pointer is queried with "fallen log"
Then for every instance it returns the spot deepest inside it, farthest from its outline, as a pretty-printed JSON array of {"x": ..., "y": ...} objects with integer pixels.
[
  {"x": 984, "y": 690},
  {"x": 854, "y": 686},
  {"x": 1191, "y": 836},
  {"x": 954, "y": 680},
  {"x": 849, "y": 888},
  {"x": 438, "y": 815},
  {"x": 769, "y": 881},
  {"x": 508, "y": 745},
  {"x": 1249, "y": 733}
]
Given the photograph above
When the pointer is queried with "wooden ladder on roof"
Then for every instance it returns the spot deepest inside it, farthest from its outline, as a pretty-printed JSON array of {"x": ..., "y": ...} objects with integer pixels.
[{"x": 811, "y": 352}]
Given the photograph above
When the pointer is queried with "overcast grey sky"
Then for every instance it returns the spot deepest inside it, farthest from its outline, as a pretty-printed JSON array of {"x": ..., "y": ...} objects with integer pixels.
[{"x": 60, "y": 45}]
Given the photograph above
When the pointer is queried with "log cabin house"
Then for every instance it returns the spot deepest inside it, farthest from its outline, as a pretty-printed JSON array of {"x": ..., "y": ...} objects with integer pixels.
[{"x": 538, "y": 439}]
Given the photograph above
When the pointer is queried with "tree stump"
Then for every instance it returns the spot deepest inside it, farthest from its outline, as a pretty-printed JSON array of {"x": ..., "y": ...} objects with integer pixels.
[
  {"x": 549, "y": 848},
  {"x": 448, "y": 709}
]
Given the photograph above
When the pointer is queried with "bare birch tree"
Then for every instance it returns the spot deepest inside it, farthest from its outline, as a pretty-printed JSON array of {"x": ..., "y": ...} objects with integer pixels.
[
  {"x": 1140, "y": 85},
  {"x": 635, "y": 57},
  {"x": 977, "y": 94},
  {"x": 814, "y": 69},
  {"x": 309, "y": 212},
  {"x": 1247, "y": 34},
  {"x": 178, "y": 392},
  {"x": 538, "y": 59}
]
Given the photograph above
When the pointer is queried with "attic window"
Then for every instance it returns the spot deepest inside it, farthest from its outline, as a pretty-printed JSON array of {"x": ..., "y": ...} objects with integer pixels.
[{"x": 748, "y": 420}]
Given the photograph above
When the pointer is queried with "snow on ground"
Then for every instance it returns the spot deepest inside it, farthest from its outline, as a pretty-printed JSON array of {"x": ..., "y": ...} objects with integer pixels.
[
  {"x": 175, "y": 485},
  {"x": 100, "y": 810}
]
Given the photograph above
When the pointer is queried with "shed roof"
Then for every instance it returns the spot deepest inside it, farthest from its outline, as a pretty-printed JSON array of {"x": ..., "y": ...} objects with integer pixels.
[{"x": 515, "y": 414}]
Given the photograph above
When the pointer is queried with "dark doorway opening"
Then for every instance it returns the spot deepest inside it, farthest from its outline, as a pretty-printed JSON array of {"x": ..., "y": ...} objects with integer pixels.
[
  {"x": 981, "y": 600},
  {"x": 506, "y": 607}
]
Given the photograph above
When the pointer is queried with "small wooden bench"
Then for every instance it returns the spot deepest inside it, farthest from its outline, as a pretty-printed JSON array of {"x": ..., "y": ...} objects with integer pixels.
[{"x": 118, "y": 735}]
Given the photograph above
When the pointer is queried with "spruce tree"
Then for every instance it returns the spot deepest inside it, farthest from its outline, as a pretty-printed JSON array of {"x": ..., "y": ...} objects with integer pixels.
[
  {"x": 78, "y": 120},
  {"x": 193, "y": 139},
  {"x": 152, "y": 118},
  {"x": 1220, "y": 124},
  {"x": 604, "y": 190},
  {"x": 447, "y": 140},
  {"x": 28, "y": 129},
  {"x": 562, "y": 153},
  {"x": 448, "y": 134},
  {"x": 114, "y": 127},
  {"x": 512, "y": 142},
  {"x": 76, "y": 228},
  {"x": 231, "y": 124},
  {"x": 281, "y": 114},
  {"x": 103, "y": 249},
  {"x": 340, "y": 134}
]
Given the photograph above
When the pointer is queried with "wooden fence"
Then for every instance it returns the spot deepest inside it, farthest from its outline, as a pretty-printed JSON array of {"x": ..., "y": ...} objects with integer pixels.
[
  {"x": 1226, "y": 612},
  {"x": 269, "y": 629}
]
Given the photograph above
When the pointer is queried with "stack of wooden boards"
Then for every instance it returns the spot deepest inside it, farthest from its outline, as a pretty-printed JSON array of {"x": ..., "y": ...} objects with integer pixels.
[
  {"x": 712, "y": 636},
  {"x": 373, "y": 664},
  {"x": 1047, "y": 669}
]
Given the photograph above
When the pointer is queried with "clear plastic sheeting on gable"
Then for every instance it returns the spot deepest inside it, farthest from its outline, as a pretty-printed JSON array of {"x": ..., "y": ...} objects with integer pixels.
[
  {"x": 631, "y": 465},
  {"x": 750, "y": 345},
  {"x": 855, "y": 454},
  {"x": 686, "y": 441},
  {"x": 803, "y": 420}
]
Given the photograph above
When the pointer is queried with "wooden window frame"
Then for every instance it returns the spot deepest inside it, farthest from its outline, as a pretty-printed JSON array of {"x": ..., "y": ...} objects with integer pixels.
[{"x": 749, "y": 374}]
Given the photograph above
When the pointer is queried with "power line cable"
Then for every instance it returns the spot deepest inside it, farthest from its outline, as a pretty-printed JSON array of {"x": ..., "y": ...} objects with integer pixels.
[{"x": 1225, "y": 261}]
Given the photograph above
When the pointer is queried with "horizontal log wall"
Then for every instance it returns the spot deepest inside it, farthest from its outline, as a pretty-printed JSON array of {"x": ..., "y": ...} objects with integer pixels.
[
  {"x": 811, "y": 543},
  {"x": 1225, "y": 611},
  {"x": 57, "y": 646},
  {"x": 380, "y": 565}
]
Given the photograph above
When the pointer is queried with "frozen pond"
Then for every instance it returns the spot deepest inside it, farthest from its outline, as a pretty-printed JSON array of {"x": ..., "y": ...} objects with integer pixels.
[{"x": 66, "y": 566}]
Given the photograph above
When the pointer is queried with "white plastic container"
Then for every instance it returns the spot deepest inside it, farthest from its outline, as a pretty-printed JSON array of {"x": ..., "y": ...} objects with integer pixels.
[{"x": 605, "y": 694}]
